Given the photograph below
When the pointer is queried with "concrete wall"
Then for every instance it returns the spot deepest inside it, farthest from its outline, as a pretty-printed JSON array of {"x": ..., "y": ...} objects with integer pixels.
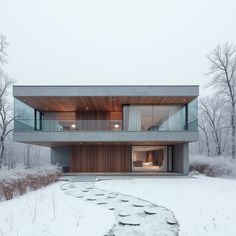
[
  {"x": 51, "y": 138},
  {"x": 61, "y": 156},
  {"x": 181, "y": 158}
]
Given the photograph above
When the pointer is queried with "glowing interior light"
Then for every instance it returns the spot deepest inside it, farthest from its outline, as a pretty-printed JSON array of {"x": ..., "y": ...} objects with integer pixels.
[
  {"x": 116, "y": 126},
  {"x": 73, "y": 126}
]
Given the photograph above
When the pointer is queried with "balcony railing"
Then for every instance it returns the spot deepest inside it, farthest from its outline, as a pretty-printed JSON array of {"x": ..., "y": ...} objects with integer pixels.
[
  {"x": 67, "y": 125},
  {"x": 98, "y": 125}
]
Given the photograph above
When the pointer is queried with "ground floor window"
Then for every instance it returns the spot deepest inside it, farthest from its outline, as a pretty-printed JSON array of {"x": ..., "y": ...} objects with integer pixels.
[{"x": 152, "y": 158}]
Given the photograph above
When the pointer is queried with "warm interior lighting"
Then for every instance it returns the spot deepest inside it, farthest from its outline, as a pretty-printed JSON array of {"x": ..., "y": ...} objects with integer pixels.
[
  {"x": 116, "y": 126},
  {"x": 86, "y": 108},
  {"x": 73, "y": 126}
]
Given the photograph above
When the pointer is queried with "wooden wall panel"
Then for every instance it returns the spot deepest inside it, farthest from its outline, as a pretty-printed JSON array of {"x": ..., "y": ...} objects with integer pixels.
[
  {"x": 93, "y": 120},
  {"x": 101, "y": 158}
]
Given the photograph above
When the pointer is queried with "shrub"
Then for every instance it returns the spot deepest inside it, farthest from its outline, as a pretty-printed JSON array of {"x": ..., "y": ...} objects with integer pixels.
[
  {"x": 16, "y": 181},
  {"x": 213, "y": 166}
]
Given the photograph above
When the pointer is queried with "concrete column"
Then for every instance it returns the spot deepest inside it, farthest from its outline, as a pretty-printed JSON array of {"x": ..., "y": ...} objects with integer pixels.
[
  {"x": 181, "y": 158},
  {"x": 61, "y": 156}
]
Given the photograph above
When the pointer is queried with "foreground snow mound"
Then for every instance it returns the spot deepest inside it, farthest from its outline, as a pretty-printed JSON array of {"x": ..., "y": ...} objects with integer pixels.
[{"x": 49, "y": 211}]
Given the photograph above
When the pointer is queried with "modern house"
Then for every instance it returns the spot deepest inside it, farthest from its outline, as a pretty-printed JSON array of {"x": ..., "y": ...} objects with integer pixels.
[{"x": 110, "y": 128}]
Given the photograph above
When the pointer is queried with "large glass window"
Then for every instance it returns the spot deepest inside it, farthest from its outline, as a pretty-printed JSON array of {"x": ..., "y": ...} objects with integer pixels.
[
  {"x": 25, "y": 116},
  {"x": 152, "y": 158},
  {"x": 154, "y": 118},
  {"x": 193, "y": 115}
]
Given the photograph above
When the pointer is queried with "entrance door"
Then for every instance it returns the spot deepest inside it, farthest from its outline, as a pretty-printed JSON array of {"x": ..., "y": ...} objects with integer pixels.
[{"x": 151, "y": 158}]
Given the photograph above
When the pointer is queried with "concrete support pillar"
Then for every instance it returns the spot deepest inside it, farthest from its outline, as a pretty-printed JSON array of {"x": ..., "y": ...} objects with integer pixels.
[{"x": 181, "y": 158}]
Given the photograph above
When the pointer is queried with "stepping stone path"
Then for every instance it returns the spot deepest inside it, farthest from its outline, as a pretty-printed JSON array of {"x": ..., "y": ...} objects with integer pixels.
[{"x": 134, "y": 216}]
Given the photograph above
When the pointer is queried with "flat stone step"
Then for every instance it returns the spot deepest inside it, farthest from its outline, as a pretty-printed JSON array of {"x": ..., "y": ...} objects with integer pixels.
[
  {"x": 150, "y": 210},
  {"x": 101, "y": 203},
  {"x": 171, "y": 221},
  {"x": 91, "y": 199},
  {"x": 111, "y": 196},
  {"x": 124, "y": 213},
  {"x": 138, "y": 204},
  {"x": 124, "y": 199},
  {"x": 129, "y": 221},
  {"x": 99, "y": 194}
]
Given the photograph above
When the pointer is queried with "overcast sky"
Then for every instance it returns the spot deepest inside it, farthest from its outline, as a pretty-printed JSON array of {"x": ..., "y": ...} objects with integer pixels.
[{"x": 114, "y": 42}]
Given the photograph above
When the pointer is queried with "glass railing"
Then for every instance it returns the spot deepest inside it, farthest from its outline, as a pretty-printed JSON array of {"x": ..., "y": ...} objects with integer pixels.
[
  {"x": 65, "y": 125},
  {"x": 95, "y": 125}
]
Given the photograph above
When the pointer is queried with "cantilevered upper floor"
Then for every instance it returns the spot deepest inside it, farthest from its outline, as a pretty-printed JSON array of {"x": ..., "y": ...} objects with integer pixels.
[{"x": 118, "y": 113}]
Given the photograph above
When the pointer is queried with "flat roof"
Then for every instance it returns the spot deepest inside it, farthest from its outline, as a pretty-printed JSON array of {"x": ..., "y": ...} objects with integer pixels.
[{"x": 105, "y": 90}]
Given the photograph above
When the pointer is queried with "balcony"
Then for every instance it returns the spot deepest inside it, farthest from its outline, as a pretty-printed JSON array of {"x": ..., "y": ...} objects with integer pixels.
[{"x": 53, "y": 125}]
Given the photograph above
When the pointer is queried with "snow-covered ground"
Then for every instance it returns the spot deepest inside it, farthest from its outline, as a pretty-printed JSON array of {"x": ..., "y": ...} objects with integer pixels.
[
  {"x": 49, "y": 211},
  {"x": 134, "y": 217},
  {"x": 202, "y": 205}
]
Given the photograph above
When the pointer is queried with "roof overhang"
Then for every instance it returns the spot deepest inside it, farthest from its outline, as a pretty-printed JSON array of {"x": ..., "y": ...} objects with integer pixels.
[{"x": 102, "y": 98}]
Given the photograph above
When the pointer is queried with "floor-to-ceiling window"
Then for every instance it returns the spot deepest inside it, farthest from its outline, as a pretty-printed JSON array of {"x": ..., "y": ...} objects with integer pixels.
[
  {"x": 154, "y": 118},
  {"x": 152, "y": 158}
]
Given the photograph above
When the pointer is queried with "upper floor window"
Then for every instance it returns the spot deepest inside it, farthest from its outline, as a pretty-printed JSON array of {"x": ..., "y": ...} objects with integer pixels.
[{"x": 154, "y": 118}]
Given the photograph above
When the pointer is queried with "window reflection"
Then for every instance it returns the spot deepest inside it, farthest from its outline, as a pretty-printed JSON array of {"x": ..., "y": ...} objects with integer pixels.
[
  {"x": 154, "y": 118},
  {"x": 24, "y": 116}
]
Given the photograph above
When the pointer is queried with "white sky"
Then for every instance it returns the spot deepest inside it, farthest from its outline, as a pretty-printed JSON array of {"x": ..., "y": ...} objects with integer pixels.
[{"x": 114, "y": 42}]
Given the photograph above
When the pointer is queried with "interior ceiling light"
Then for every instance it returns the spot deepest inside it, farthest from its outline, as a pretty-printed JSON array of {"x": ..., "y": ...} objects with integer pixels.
[
  {"x": 116, "y": 126},
  {"x": 73, "y": 126}
]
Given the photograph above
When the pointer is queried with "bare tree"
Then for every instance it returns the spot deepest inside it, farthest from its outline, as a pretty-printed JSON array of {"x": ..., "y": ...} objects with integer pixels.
[
  {"x": 223, "y": 67},
  {"x": 213, "y": 122},
  {"x": 5, "y": 126},
  {"x": 5, "y": 112},
  {"x": 3, "y": 46},
  {"x": 203, "y": 127}
]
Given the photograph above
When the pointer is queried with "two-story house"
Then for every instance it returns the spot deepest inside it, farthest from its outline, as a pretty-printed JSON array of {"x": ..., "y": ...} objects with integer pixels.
[{"x": 110, "y": 128}]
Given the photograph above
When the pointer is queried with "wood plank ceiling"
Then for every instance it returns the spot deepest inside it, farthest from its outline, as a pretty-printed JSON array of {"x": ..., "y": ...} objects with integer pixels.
[{"x": 66, "y": 104}]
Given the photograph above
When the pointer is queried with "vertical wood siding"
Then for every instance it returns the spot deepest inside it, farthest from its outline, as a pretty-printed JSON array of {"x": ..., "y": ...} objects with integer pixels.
[{"x": 101, "y": 158}]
